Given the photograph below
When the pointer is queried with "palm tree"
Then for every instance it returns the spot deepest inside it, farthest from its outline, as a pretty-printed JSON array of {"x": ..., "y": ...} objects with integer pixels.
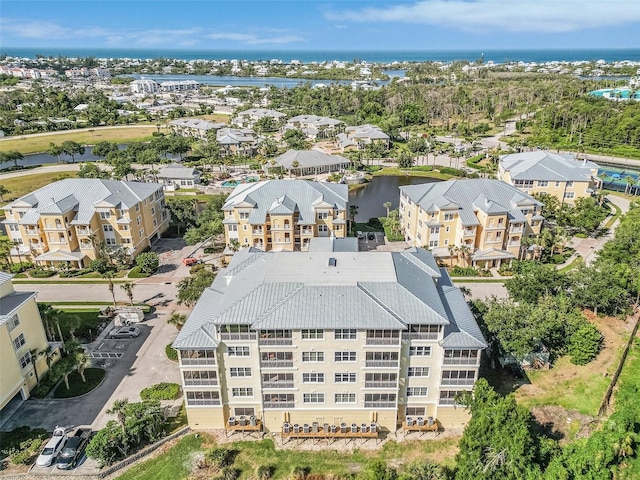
[
  {"x": 55, "y": 150},
  {"x": 387, "y": 205},
  {"x": 16, "y": 244},
  {"x": 119, "y": 408},
  {"x": 177, "y": 319},
  {"x": 82, "y": 361},
  {"x": 464, "y": 250},
  {"x": 630, "y": 181},
  {"x": 128, "y": 288},
  {"x": 453, "y": 250},
  {"x": 294, "y": 165},
  {"x": 11, "y": 156},
  {"x": 108, "y": 275},
  {"x": 3, "y": 191},
  {"x": 353, "y": 211},
  {"x": 33, "y": 353}
]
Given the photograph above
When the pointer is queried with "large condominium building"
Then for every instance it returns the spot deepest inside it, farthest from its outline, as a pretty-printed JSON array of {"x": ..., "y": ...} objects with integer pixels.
[
  {"x": 65, "y": 221},
  {"x": 249, "y": 118},
  {"x": 314, "y": 126},
  {"x": 329, "y": 337},
  {"x": 561, "y": 176},
  {"x": 22, "y": 337},
  {"x": 285, "y": 214},
  {"x": 475, "y": 221}
]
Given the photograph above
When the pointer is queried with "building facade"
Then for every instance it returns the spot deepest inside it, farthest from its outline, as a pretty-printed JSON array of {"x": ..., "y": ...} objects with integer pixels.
[
  {"x": 561, "y": 176},
  {"x": 307, "y": 162},
  {"x": 329, "y": 337},
  {"x": 249, "y": 118},
  {"x": 22, "y": 337},
  {"x": 175, "y": 176},
  {"x": 65, "y": 221},
  {"x": 315, "y": 127},
  {"x": 285, "y": 214},
  {"x": 477, "y": 222}
]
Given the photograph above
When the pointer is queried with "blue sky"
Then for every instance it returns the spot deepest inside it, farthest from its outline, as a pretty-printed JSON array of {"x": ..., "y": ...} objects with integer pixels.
[{"x": 321, "y": 25}]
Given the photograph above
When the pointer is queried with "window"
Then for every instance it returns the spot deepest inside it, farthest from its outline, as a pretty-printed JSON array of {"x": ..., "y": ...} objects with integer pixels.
[
  {"x": 244, "y": 411},
  {"x": 240, "y": 371},
  {"x": 107, "y": 228},
  {"x": 19, "y": 341},
  {"x": 239, "y": 352},
  {"x": 313, "y": 356},
  {"x": 569, "y": 184},
  {"x": 139, "y": 220},
  {"x": 345, "y": 356},
  {"x": 447, "y": 229},
  {"x": 312, "y": 334},
  {"x": 345, "y": 398},
  {"x": 345, "y": 378},
  {"x": 383, "y": 400},
  {"x": 418, "y": 372},
  {"x": 434, "y": 230},
  {"x": 449, "y": 216},
  {"x": 244, "y": 215},
  {"x": 242, "y": 392},
  {"x": 153, "y": 210},
  {"x": 313, "y": 398},
  {"x": 416, "y": 412},
  {"x": 569, "y": 195},
  {"x": 313, "y": 378},
  {"x": 105, "y": 215},
  {"x": 446, "y": 242},
  {"x": 232, "y": 228},
  {"x": 110, "y": 241},
  {"x": 433, "y": 243},
  {"x": 126, "y": 240},
  {"x": 419, "y": 351},
  {"x": 25, "y": 360},
  {"x": 203, "y": 398},
  {"x": 323, "y": 215},
  {"x": 279, "y": 400},
  {"x": 13, "y": 322},
  {"x": 543, "y": 183},
  {"x": 557, "y": 184},
  {"x": 155, "y": 222},
  {"x": 124, "y": 227},
  {"x": 323, "y": 228},
  {"x": 417, "y": 391},
  {"x": 141, "y": 232},
  {"x": 345, "y": 334}
]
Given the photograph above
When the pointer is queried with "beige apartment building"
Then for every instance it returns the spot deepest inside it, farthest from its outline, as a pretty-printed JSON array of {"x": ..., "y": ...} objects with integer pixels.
[
  {"x": 561, "y": 176},
  {"x": 65, "y": 220},
  {"x": 284, "y": 215},
  {"x": 330, "y": 338},
  {"x": 21, "y": 334},
  {"x": 477, "y": 222}
]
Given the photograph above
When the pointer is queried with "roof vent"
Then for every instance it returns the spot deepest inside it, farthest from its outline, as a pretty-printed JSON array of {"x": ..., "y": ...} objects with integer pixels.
[{"x": 333, "y": 262}]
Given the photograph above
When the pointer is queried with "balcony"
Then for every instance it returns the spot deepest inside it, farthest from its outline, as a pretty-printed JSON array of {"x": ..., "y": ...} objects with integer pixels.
[
  {"x": 276, "y": 363},
  {"x": 285, "y": 227},
  {"x": 283, "y": 384},
  {"x": 198, "y": 361},
  {"x": 420, "y": 335},
  {"x": 465, "y": 382},
  {"x": 32, "y": 231},
  {"x": 237, "y": 336},
  {"x": 516, "y": 230},
  {"x": 306, "y": 231},
  {"x": 275, "y": 341},
  {"x": 460, "y": 361},
  {"x": 279, "y": 404},
  {"x": 86, "y": 246},
  {"x": 447, "y": 401},
  {"x": 205, "y": 382},
  {"x": 257, "y": 231},
  {"x": 383, "y": 341},
  {"x": 468, "y": 233},
  {"x": 83, "y": 231},
  {"x": 382, "y": 363},
  {"x": 203, "y": 402},
  {"x": 379, "y": 404},
  {"x": 380, "y": 384}
]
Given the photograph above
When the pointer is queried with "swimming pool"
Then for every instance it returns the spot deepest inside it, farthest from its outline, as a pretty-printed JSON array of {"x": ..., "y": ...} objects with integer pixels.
[{"x": 237, "y": 181}]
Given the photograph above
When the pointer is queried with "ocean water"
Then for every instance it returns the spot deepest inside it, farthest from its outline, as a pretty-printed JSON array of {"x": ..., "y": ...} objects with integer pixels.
[{"x": 379, "y": 56}]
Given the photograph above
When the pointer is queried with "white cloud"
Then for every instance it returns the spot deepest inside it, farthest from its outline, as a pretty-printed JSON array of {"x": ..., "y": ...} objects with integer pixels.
[
  {"x": 252, "y": 39},
  {"x": 509, "y": 15},
  {"x": 46, "y": 29}
]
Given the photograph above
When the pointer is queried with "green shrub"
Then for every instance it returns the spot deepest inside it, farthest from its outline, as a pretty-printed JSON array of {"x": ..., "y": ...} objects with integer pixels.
[
  {"x": 136, "y": 272},
  {"x": 39, "y": 273},
  {"x": 584, "y": 344},
  {"x": 217, "y": 457},
  {"x": 196, "y": 268},
  {"x": 172, "y": 353},
  {"x": 255, "y": 166},
  {"x": 161, "y": 391},
  {"x": 148, "y": 262},
  {"x": 20, "y": 267},
  {"x": 557, "y": 258},
  {"x": 581, "y": 235},
  {"x": 458, "y": 271},
  {"x": 22, "y": 438},
  {"x": 375, "y": 223},
  {"x": 452, "y": 171},
  {"x": 422, "y": 168},
  {"x": 209, "y": 250}
]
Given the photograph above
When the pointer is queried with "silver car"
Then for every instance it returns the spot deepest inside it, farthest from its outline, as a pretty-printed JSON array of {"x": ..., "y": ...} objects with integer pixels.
[{"x": 124, "y": 332}]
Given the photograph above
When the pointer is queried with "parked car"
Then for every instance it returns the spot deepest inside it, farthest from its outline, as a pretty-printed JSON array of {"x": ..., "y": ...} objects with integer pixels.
[
  {"x": 73, "y": 449},
  {"x": 371, "y": 236},
  {"x": 124, "y": 332},
  {"x": 53, "y": 447},
  {"x": 360, "y": 234}
]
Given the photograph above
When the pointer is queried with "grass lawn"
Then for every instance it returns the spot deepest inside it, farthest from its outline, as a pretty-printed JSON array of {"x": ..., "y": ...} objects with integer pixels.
[
  {"x": 77, "y": 387},
  {"x": 81, "y": 321},
  {"x": 215, "y": 117},
  {"x": 19, "y": 186},
  {"x": 411, "y": 173},
  {"x": 175, "y": 464},
  {"x": 89, "y": 136}
]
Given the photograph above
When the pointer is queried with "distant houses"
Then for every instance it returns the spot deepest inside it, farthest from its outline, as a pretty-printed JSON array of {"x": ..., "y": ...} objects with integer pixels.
[
  {"x": 193, "y": 127},
  {"x": 146, "y": 86},
  {"x": 249, "y": 118},
  {"x": 307, "y": 162},
  {"x": 359, "y": 136},
  {"x": 175, "y": 176},
  {"x": 315, "y": 127}
]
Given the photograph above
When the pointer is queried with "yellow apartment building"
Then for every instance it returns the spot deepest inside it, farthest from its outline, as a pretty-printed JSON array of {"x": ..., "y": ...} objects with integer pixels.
[
  {"x": 284, "y": 215},
  {"x": 332, "y": 338},
  {"x": 470, "y": 222},
  {"x": 561, "y": 176},
  {"x": 21, "y": 334},
  {"x": 64, "y": 221}
]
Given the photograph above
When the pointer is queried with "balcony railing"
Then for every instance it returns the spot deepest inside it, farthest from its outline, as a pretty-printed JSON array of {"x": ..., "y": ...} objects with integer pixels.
[
  {"x": 205, "y": 382},
  {"x": 516, "y": 230},
  {"x": 237, "y": 336},
  {"x": 420, "y": 335},
  {"x": 382, "y": 363},
  {"x": 460, "y": 361},
  {"x": 468, "y": 233},
  {"x": 380, "y": 384},
  {"x": 207, "y": 402},
  {"x": 447, "y": 401},
  {"x": 257, "y": 232},
  {"x": 277, "y": 384},
  {"x": 198, "y": 361},
  {"x": 383, "y": 341},
  {"x": 86, "y": 246},
  {"x": 467, "y": 382},
  {"x": 275, "y": 341},
  {"x": 83, "y": 231},
  {"x": 379, "y": 404},
  {"x": 276, "y": 363},
  {"x": 279, "y": 404},
  {"x": 306, "y": 231},
  {"x": 32, "y": 231}
]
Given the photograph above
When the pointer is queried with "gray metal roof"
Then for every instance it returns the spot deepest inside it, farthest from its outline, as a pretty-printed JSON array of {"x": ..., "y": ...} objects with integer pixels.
[
  {"x": 80, "y": 195},
  {"x": 466, "y": 196},
  {"x": 292, "y": 290},
  {"x": 302, "y": 195},
  {"x": 309, "y": 159},
  {"x": 9, "y": 304},
  {"x": 314, "y": 120},
  {"x": 5, "y": 277},
  {"x": 175, "y": 170},
  {"x": 372, "y": 132},
  {"x": 544, "y": 165},
  {"x": 257, "y": 113},
  {"x": 333, "y": 244},
  {"x": 235, "y": 136}
]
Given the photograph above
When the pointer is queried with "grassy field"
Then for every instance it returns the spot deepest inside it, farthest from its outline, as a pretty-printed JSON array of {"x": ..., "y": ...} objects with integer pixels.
[
  {"x": 215, "y": 117},
  {"x": 89, "y": 136},
  {"x": 19, "y": 186},
  {"x": 411, "y": 173}
]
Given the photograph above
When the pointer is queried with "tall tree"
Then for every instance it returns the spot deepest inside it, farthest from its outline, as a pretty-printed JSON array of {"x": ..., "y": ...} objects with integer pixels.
[
  {"x": 11, "y": 156},
  {"x": 128, "y": 288},
  {"x": 72, "y": 149},
  {"x": 55, "y": 151}
]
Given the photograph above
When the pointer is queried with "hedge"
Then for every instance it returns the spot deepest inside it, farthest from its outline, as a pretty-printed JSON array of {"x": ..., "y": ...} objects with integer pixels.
[{"x": 161, "y": 391}]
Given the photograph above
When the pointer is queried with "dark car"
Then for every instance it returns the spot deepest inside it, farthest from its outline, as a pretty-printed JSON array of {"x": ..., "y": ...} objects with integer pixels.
[
  {"x": 371, "y": 236},
  {"x": 73, "y": 450},
  {"x": 124, "y": 332}
]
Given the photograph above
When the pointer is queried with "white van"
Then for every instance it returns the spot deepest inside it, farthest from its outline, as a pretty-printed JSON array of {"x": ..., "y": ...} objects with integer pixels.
[{"x": 52, "y": 448}]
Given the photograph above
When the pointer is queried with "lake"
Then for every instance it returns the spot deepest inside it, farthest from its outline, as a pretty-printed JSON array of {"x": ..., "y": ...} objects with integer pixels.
[{"x": 371, "y": 197}]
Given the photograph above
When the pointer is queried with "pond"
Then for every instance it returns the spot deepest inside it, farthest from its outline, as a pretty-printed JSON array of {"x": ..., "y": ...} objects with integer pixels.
[{"x": 370, "y": 198}]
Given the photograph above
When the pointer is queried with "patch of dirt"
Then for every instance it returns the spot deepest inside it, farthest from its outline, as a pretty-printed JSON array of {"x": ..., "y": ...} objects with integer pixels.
[{"x": 562, "y": 424}]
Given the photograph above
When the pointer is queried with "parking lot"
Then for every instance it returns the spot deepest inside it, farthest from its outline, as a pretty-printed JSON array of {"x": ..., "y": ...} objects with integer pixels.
[{"x": 370, "y": 241}]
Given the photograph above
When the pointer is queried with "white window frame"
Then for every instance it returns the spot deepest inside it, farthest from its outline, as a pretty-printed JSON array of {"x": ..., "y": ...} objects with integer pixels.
[
  {"x": 345, "y": 377},
  {"x": 417, "y": 391},
  {"x": 312, "y": 357},
  {"x": 313, "y": 377},
  {"x": 19, "y": 342},
  {"x": 312, "y": 334},
  {"x": 418, "y": 372},
  {"x": 315, "y": 397},
  {"x": 348, "y": 356},
  {"x": 240, "y": 372},
  {"x": 239, "y": 351},
  {"x": 419, "y": 351},
  {"x": 344, "y": 398},
  {"x": 239, "y": 392},
  {"x": 345, "y": 334}
]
